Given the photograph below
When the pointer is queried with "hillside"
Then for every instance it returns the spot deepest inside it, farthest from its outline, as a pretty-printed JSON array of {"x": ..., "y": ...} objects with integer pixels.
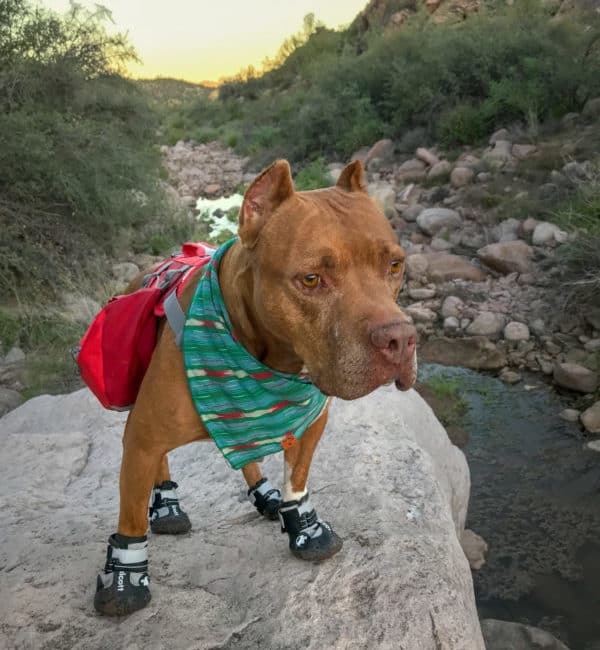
[{"x": 453, "y": 82}]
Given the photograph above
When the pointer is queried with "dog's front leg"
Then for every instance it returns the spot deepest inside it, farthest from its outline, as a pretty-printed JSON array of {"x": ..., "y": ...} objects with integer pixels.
[
  {"x": 310, "y": 537},
  {"x": 123, "y": 587}
]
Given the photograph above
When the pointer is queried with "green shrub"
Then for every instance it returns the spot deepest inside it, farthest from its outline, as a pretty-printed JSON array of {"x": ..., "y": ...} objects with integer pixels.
[
  {"x": 313, "y": 176},
  {"x": 463, "y": 124},
  {"x": 77, "y": 146},
  {"x": 581, "y": 256}
]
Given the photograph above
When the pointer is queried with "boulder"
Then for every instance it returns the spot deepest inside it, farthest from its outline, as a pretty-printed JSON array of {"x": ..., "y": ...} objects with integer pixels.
[
  {"x": 440, "y": 171},
  {"x": 591, "y": 109},
  {"x": 411, "y": 212},
  {"x": 401, "y": 514},
  {"x": 509, "y": 376},
  {"x": 507, "y": 257},
  {"x": 15, "y": 356},
  {"x": 475, "y": 548},
  {"x": 451, "y": 323},
  {"x": 500, "y": 134},
  {"x": 420, "y": 314},
  {"x": 432, "y": 220},
  {"x": 439, "y": 244},
  {"x": 421, "y": 293},
  {"x": 416, "y": 265},
  {"x": 507, "y": 230},
  {"x": 590, "y": 418},
  {"x": 385, "y": 195},
  {"x": 476, "y": 352},
  {"x": 124, "y": 272},
  {"x": 528, "y": 226},
  {"x": 569, "y": 415},
  {"x": 548, "y": 234},
  {"x": 504, "y": 635},
  {"x": 427, "y": 156},
  {"x": 461, "y": 176},
  {"x": 442, "y": 267},
  {"x": 452, "y": 306},
  {"x": 411, "y": 171},
  {"x": 523, "y": 151},
  {"x": 499, "y": 154},
  {"x": 382, "y": 150},
  {"x": 575, "y": 377},
  {"x": 487, "y": 323},
  {"x": 515, "y": 332},
  {"x": 593, "y": 345},
  {"x": 9, "y": 400}
]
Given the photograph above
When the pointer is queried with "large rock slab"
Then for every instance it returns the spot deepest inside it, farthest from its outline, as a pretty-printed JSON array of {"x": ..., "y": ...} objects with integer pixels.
[
  {"x": 476, "y": 352},
  {"x": 507, "y": 256},
  {"x": 385, "y": 474}
]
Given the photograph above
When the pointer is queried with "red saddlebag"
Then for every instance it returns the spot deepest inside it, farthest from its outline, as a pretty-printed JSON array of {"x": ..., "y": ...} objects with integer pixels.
[{"x": 115, "y": 352}]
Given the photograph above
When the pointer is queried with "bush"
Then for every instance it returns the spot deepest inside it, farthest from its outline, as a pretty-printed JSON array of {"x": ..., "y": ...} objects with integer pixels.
[
  {"x": 313, "y": 176},
  {"x": 581, "y": 256},
  {"x": 77, "y": 145}
]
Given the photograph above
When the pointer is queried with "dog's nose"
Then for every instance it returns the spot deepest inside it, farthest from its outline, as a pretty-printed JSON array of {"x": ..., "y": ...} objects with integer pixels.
[{"x": 396, "y": 341}]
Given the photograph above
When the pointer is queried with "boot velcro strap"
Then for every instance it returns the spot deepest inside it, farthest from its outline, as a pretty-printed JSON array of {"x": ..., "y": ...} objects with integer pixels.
[
  {"x": 296, "y": 516},
  {"x": 127, "y": 559}
]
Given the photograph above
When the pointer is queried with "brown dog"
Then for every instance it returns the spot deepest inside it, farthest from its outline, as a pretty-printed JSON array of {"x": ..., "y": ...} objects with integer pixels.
[{"x": 311, "y": 285}]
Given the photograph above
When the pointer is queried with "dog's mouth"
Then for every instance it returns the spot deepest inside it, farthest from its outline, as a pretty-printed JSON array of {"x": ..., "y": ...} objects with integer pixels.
[{"x": 359, "y": 386}]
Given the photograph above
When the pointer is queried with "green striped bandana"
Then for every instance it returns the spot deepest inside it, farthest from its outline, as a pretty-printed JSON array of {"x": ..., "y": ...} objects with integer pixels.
[{"x": 249, "y": 410}]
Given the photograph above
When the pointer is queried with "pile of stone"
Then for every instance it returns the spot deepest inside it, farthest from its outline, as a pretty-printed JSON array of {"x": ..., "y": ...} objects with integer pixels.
[
  {"x": 207, "y": 170},
  {"x": 485, "y": 293}
]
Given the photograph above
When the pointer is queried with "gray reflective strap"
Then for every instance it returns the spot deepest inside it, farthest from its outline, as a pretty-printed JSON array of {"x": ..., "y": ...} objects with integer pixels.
[{"x": 175, "y": 316}]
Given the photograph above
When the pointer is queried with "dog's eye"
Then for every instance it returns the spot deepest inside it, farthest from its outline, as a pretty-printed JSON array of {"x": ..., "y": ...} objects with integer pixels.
[
  {"x": 396, "y": 267},
  {"x": 311, "y": 281}
]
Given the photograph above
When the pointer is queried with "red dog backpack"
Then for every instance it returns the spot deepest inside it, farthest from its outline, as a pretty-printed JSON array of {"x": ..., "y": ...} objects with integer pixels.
[{"x": 116, "y": 349}]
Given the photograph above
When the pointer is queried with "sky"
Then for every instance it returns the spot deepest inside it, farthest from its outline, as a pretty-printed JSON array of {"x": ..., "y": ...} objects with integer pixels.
[{"x": 204, "y": 40}]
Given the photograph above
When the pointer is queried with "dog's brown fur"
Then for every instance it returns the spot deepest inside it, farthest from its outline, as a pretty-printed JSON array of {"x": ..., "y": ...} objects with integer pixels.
[{"x": 348, "y": 332}]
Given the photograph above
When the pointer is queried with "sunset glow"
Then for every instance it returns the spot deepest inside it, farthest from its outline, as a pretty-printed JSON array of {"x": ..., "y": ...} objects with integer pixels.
[{"x": 199, "y": 40}]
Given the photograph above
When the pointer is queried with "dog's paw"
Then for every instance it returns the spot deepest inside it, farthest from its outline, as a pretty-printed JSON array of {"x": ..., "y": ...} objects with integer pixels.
[
  {"x": 320, "y": 543},
  {"x": 310, "y": 537},
  {"x": 121, "y": 592}
]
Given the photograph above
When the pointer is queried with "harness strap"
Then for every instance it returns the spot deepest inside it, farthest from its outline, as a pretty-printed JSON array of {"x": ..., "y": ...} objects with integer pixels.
[{"x": 175, "y": 316}]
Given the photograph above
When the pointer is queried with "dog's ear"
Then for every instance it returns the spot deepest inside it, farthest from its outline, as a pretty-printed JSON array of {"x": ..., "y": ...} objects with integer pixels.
[
  {"x": 268, "y": 191},
  {"x": 352, "y": 178}
]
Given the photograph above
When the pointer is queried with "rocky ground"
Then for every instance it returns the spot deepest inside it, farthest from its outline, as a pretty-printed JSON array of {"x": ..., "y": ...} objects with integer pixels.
[
  {"x": 385, "y": 475},
  {"x": 484, "y": 278}
]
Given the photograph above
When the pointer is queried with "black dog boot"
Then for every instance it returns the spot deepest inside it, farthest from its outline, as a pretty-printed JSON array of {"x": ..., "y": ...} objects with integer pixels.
[
  {"x": 265, "y": 498},
  {"x": 166, "y": 515},
  {"x": 310, "y": 538},
  {"x": 123, "y": 587}
]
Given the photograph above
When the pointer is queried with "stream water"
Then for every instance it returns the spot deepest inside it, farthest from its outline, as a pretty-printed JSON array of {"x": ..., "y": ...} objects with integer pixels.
[{"x": 535, "y": 498}]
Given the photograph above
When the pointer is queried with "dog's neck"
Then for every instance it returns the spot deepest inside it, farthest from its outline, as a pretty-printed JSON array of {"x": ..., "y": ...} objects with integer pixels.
[{"x": 237, "y": 288}]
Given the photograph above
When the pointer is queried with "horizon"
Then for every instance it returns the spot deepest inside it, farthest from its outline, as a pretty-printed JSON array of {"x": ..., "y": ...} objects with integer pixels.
[{"x": 172, "y": 46}]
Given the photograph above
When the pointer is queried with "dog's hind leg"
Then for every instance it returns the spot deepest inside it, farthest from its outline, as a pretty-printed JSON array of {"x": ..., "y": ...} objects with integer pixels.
[
  {"x": 263, "y": 496},
  {"x": 166, "y": 515},
  {"x": 310, "y": 537}
]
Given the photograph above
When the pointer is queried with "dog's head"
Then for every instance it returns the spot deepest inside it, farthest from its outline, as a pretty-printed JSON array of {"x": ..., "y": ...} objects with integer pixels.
[{"x": 326, "y": 272}]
